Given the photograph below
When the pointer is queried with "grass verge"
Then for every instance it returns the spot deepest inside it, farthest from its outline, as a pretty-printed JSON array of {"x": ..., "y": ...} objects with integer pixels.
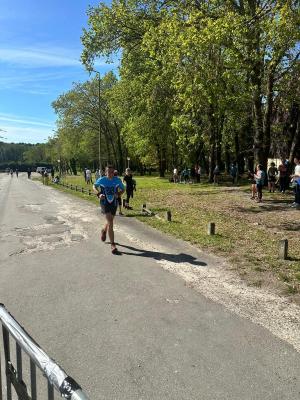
[{"x": 247, "y": 233}]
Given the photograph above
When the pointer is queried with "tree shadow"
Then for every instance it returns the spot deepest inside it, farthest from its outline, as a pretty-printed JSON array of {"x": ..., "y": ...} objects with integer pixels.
[
  {"x": 156, "y": 255},
  {"x": 263, "y": 208},
  {"x": 137, "y": 214},
  {"x": 290, "y": 226}
]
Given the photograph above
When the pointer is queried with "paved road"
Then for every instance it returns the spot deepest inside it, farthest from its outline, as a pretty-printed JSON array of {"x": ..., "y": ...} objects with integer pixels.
[{"x": 123, "y": 326}]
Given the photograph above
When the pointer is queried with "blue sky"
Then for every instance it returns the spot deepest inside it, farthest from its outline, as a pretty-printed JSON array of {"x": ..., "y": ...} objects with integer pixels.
[{"x": 40, "y": 52}]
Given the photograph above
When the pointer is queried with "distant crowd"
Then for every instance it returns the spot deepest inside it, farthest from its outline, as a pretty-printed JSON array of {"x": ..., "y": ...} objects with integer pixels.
[{"x": 274, "y": 178}]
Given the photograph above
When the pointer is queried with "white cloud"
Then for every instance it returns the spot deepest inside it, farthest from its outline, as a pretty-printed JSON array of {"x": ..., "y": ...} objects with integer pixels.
[
  {"x": 17, "y": 134},
  {"x": 39, "y": 57},
  {"x": 25, "y": 129},
  {"x": 27, "y": 121},
  {"x": 43, "y": 56}
]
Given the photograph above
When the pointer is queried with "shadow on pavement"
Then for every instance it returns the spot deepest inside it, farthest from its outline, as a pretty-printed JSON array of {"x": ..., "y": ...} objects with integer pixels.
[{"x": 156, "y": 255}]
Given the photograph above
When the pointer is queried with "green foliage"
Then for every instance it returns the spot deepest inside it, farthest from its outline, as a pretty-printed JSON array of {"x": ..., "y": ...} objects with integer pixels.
[{"x": 198, "y": 82}]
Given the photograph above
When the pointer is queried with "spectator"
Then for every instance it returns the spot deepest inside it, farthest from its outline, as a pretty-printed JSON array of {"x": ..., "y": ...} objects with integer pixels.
[
  {"x": 233, "y": 172},
  {"x": 185, "y": 175},
  {"x": 193, "y": 174},
  {"x": 88, "y": 176},
  {"x": 253, "y": 184},
  {"x": 272, "y": 172},
  {"x": 216, "y": 174},
  {"x": 260, "y": 177},
  {"x": 282, "y": 176},
  {"x": 296, "y": 183},
  {"x": 197, "y": 171},
  {"x": 46, "y": 178},
  {"x": 130, "y": 187},
  {"x": 175, "y": 175},
  {"x": 119, "y": 199}
]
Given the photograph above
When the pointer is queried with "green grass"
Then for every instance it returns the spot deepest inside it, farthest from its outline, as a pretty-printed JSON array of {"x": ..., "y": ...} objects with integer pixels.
[{"x": 244, "y": 230}]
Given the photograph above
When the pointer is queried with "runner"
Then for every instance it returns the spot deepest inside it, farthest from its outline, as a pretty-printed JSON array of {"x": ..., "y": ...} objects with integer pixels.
[{"x": 108, "y": 189}]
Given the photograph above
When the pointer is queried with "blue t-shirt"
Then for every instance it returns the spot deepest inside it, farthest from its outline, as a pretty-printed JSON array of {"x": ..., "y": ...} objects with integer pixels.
[{"x": 109, "y": 187}]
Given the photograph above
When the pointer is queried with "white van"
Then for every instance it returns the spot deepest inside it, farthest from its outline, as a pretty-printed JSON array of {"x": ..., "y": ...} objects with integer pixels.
[{"x": 41, "y": 169}]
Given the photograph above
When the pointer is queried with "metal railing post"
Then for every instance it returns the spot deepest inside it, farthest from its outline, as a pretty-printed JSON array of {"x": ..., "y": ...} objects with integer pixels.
[
  {"x": 57, "y": 378},
  {"x": 0, "y": 378},
  {"x": 7, "y": 360},
  {"x": 33, "y": 380},
  {"x": 19, "y": 363}
]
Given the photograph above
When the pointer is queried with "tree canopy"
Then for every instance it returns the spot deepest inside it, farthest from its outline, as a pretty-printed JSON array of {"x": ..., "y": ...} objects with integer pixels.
[{"x": 206, "y": 82}]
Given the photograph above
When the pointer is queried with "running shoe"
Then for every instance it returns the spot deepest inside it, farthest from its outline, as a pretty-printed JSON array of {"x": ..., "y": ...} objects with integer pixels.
[
  {"x": 114, "y": 250},
  {"x": 103, "y": 235}
]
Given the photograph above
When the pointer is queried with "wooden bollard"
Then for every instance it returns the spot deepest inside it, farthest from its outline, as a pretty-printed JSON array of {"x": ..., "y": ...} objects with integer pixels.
[
  {"x": 71, "y": 187},
  {"x": 211, "y": 229},
  {"x": 76, "y": 188},
  {"x": 283, "y": 249},
  {"x": 168, "y": 216},
  {"x": 144, "y": 206},
  {"x": 89, "y": 192},
  {"x": 82, "y": 190}
]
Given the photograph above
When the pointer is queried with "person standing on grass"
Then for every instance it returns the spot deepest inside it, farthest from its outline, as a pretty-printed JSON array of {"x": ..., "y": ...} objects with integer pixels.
[
  {"x": 253, "y": 184},
  {"x": 233, "y": 172},
  {"x": 108, "y": 189},
  {"x": 116, "y": 173},
  {"x": 88, "y": 176},
  {"x": 282, "y": 176},
  {"x": 130, "y": 186},
  {"x": 296, "y": 183},
  {"x": 216, "y": 174},
  {"x": 260, "y": 177},
  {"x": 175, "y": 175},
  {"x": 272, "y": 172}
]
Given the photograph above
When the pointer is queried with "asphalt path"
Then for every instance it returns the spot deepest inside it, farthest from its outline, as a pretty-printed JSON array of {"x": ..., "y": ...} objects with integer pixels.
[{"x": 122, "y": 326}]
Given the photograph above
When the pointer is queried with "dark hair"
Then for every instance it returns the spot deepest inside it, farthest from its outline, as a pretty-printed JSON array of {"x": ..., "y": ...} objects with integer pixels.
[{"x": 110, "y": 167}]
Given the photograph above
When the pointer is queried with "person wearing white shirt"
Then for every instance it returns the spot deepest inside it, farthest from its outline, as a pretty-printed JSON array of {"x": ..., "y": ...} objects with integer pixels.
[{"x": 296, "y": 181}]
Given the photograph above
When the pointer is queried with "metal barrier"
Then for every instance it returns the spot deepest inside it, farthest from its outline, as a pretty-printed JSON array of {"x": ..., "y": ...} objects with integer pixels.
[{"x": 55, "y": 375}]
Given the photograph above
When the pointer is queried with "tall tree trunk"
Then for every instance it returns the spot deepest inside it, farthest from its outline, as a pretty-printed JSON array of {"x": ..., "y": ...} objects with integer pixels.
[
  {"x": 212, "y": 143},
  {"x": 119, "y": 146},
  {"x": 161, "y": 156},
  {"x": 295, "y": 146},
  {"x": 267, "y": 119}
]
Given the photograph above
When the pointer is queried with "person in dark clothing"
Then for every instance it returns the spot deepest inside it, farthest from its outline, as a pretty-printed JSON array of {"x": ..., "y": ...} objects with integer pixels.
[
  {"x": 283, "y": 173},
  {"x": 130, "y": 186},
  {"x": 29, "y": 173},
  {"x": 272, "y": 172},
  {"x": 233, "y": 172}
]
